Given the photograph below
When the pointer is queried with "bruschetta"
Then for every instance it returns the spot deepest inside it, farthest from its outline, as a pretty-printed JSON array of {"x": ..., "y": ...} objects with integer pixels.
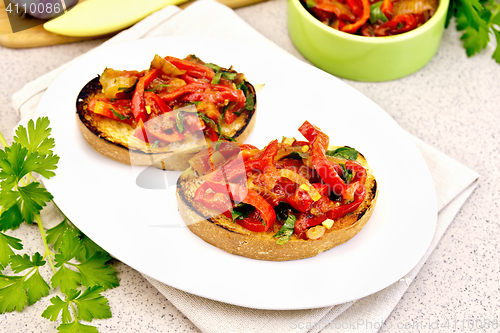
[
  {"x": 165, "y": 115},
  {"x": 291, "y": 200}
]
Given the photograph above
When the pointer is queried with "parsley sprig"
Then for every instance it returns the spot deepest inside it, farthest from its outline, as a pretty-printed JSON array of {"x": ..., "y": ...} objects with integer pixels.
[
  {"x": 80, "y": 268},
  {"x": 477, "y": 19}
]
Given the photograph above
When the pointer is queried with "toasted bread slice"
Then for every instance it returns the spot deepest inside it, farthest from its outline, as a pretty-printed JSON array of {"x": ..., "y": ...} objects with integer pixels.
[
  {"x": 116, "y": 139},
  {"x": 222, "y": 232}
]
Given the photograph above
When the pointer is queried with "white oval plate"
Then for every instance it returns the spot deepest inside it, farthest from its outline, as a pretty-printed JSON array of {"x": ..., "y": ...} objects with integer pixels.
[{"x": 143, "y": 228}]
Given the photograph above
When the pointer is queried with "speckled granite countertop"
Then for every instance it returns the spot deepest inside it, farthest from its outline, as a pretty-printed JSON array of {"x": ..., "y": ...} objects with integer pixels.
[{"x": 452, "y": 104}]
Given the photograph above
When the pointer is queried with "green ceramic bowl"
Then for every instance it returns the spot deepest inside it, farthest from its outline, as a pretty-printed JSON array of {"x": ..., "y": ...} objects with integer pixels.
[{"x": 364, "y": 58}]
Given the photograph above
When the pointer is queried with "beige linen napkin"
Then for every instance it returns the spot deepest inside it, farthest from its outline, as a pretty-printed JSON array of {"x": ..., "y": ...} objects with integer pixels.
[{"x": 454, "y": 184}]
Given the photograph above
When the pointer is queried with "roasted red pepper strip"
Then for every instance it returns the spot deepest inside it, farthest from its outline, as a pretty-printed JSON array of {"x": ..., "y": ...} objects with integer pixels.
[
  {"x": 187, "y": 89},
  {"x": 300, "y": 200},
  {"x": 242, "y": 194},
  {"x": 212, "y": 134},
  {"x": 359, "y": 197},
  {"x": 359, "y": 171},
  {"x": 355, "y": 6},
  {"x": 217, "y": 201},
  {"x": 164, "y": 128},
  {"x": 161, "y": 106},
  {"x": 191, "y": 68},
  {"x": 340, "y": 10},
  {"x": 104, "y": 107},
  {"x": 386, "y": 8},
  {"x": 138, "y": 105},
  {"x": 239, "y": 194},
  {"x": 325, "y": 168},
  {"x": 306, "y": 221},
  {"x": 227, "y": 173},
  {"x": 405, "y": 22},
  {"x": 267, "y": 158},
  {"x": 352, "y": 28}
]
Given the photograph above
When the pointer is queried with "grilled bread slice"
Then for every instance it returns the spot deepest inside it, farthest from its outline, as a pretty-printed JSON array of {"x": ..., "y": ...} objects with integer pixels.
[
  {"x": 222, "y": 232},
  {"x": 117, "y": 139}
]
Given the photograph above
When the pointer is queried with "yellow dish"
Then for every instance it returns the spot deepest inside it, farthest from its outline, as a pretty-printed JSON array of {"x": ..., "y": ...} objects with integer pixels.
[{"x": 100, "y": 17}]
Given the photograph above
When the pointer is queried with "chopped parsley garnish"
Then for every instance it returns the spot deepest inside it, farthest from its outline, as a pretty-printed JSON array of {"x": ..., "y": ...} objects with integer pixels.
[
  {"x": 286, "y": 231},
  {"x": 179, "y": 121},
  {"x": 241, "y": 211},
  {"x": 249, "y": 104},
  {"x": 119, "y": 115},
  {"x": 155, "y": 144},
  {"x": 347, "y": 174},
  {"x": 347, "y": 153}
]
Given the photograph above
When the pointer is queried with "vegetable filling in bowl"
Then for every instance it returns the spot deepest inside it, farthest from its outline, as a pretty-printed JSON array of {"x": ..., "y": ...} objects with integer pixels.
[{"x": 372, "y": 18}]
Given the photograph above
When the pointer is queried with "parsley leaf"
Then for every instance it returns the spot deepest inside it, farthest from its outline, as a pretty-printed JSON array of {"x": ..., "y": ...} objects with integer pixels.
[
  {"x": 347, "y": 174},
  {"x": 54, "y": 235},
  {"x": 66, "y": 279},
  {"x": 12, "y": 294},
  {"x": 249, "y": 103},
  {"x": 92, "y": 305},
  {"x": 89, "y": 305},
  {"x": 241, "y": 211},
  {"x": 11, "y": 218},
  {"x": 20, "y": 263},
  {"x": 119, "y": 115},
  {"x": 69, "y": 247},
  {"x": 76, "y": 327},
  {"x": 477, "y": 18},
  {"x": 7, "y": 243},
  {"x": 36, "y": 137},
  {"x": 89, "y": 248},
  {"x": 32, "y": 199},
  {"x": 286, "y": 231},
  {"x": 17, "y": 289},
  {"x": 347, "y": 153},
  {"x": 95, "y": 272},
  {"x": 52, "y": 311},
  {"x": 36, "y": 287}
]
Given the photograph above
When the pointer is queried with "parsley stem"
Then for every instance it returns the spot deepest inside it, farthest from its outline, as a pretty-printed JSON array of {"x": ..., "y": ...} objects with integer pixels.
[
  {"x": 48, "y": 253},
  {"x": 74, "y": 310},
  {"x": 2, "y": 140}
]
